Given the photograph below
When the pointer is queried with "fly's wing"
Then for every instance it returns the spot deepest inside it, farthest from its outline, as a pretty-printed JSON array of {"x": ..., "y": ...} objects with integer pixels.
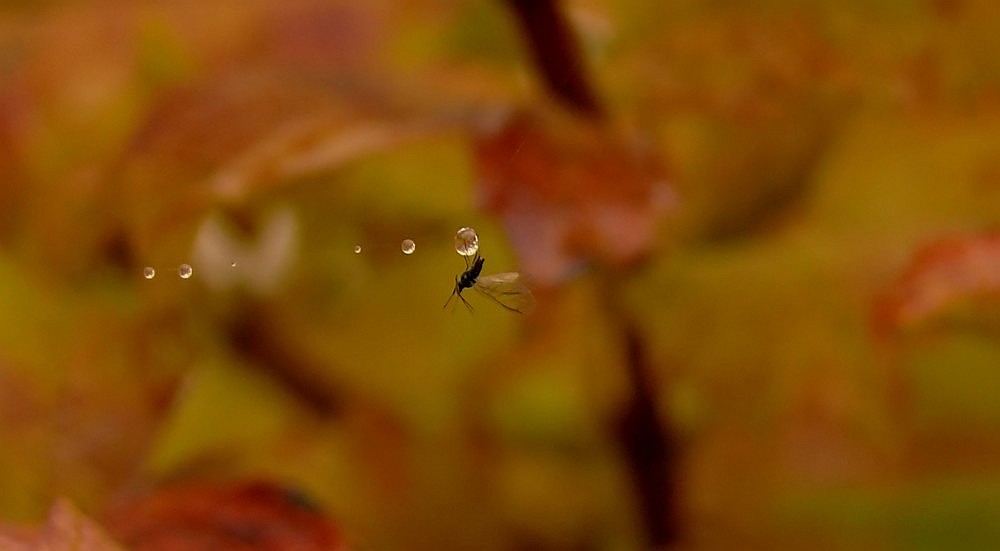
[{"x": 507, "y": 290}]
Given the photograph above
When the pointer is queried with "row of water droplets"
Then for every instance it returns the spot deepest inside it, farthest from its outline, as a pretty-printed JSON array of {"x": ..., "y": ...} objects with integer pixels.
[
  {"x": 466, "y": 244},
  {"x": 185, "y": 271},
  {"x": 407, "y": 246}
]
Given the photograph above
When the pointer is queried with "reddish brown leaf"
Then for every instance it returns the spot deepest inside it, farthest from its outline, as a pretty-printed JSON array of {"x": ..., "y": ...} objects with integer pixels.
[
  {"x": 16, "y": 538},
  {"x": 67, "y": 529},
  {"x": 232, "y": 138},
  {"x": 241, "y": 516},
  {"x": 943, "y": 275},
  {"x": 571, "y": 191}
]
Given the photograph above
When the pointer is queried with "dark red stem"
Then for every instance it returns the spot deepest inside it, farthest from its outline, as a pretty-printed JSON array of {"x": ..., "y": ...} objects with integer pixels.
[{"x": 556, "y": 53}]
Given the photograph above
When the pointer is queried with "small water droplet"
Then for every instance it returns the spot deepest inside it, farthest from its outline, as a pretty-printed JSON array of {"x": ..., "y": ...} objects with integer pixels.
[
  {"x": 357, "y": 249},
  {"x": 466, "y": 242},
  {"x": 185, "y": 271},
  {"x": 148, "y": 272},
  {"x": 408, "y": 246},
  {"x": 233, "y": 265}
]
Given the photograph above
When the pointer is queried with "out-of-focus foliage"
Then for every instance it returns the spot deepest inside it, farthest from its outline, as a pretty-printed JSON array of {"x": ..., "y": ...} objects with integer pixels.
[
  {"x": 809, "y": 152},
  {"x": 947, "y": 275},
  {"x": 569, "y": 193},
  {"x": 252, "y": 515},
  {"x": 65, "y": 530}
]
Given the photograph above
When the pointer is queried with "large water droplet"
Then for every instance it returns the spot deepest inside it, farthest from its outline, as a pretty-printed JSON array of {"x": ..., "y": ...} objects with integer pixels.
[
  {"x": 357, "y": 249},
  {"x": 148, "y": 272},
  {"x": 466, "y": 242},
  {"x": 185, "y": 271},
  {"x": 408, "y": 246}
]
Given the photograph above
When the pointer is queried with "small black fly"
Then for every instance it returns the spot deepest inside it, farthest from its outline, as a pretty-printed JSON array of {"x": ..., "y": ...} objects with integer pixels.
[{"x": 505, "y": 289}]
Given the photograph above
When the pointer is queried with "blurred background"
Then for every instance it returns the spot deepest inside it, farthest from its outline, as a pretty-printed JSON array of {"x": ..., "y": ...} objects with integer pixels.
[{"x": 762, "y": 236}]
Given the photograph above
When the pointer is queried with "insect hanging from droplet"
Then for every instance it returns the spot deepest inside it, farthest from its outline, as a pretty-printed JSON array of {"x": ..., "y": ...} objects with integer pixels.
[{"x": 506, "y": 289}]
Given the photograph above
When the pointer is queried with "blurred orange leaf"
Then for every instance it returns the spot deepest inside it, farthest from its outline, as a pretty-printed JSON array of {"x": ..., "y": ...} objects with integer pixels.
[
  {"x": 571, "y": 191},
  {"x": 940, "y": 276},
  {"x": 230, "y": 139},
  {"x": 67, "y": 529},
  {"x": 249, "y": 515}
]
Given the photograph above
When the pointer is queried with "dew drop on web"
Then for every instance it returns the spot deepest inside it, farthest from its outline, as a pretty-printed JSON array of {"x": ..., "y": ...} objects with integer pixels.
[
  {"x": 466, "y": 242},
  {"x": 185, "y": 271},
  {"x": 148, "y": 272},
  {"x": 408, "y": 246}
]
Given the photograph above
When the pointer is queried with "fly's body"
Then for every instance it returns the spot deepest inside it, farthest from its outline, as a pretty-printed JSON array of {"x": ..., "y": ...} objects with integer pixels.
[
  {"x": 469, "y": 276},
  {"x": 505, "y": 289}
]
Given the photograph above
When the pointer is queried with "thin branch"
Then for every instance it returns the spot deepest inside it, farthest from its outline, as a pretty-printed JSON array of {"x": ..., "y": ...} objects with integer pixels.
[
  {"x": 650, "y": 449},
  {"x": 265, "y": 347},
  {"x": 557, "y": 54}
]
